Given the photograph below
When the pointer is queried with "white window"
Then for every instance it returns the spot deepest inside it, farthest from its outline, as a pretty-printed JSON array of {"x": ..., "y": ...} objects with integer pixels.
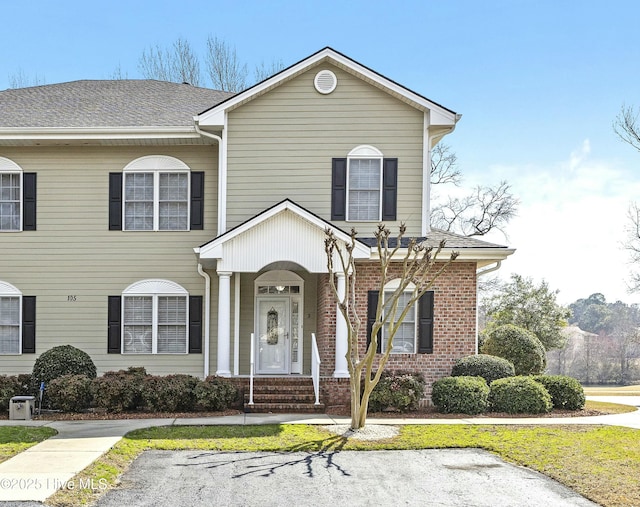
[
  {"x": 156, "y": 194},
  {"x": 10, "y": 195},
  {"x": 404, "y": 341},
  {"x": 10, "y": 321},
  {"x": 154, "y": 318},
  {"x": 364, "y": 183}
]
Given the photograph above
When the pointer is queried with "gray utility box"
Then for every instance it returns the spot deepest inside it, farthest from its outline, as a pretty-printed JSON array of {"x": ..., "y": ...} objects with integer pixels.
[{"x": 21, "y": 408}]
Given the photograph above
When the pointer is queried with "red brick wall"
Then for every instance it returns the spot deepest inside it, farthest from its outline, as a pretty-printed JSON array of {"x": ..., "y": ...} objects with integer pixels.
[{"x": 454, "y": 333}]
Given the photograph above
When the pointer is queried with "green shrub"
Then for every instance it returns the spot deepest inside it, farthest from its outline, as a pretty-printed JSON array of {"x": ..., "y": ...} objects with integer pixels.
[
  {"x": 59, "y": 361},
  {"x": 519, "y": 395},
  {"x": 488, "y": 367},
  {"x": 172, "y": 393},
  {"x": 566, "y": 392},
  {"x": 215, "y": 393},
  {"x": 462, "y": 394},
  {"x": 70, "y": 393},
  {"x": 519, "y": 346},
  {"x": 119, "y": 391},
  {"x": 9, "y": 387},
  {"x": 397, "y": 391}
]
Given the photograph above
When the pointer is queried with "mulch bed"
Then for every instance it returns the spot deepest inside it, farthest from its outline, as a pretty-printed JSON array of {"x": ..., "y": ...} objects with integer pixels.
[{"x": 423, "y": 413}]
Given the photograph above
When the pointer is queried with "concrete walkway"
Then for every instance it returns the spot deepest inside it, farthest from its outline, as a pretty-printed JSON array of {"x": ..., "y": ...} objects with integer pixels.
[{"x": 41, "y": 470}]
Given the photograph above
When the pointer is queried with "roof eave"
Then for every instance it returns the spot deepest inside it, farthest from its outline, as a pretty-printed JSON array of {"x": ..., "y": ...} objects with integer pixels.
[{"x": 96, "y": 133}]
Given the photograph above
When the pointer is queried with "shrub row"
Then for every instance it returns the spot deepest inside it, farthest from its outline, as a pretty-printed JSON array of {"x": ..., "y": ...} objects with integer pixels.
[
  {"x": 397, "y": 391},
  {"x": 127, "y": 390},
  {"x": 513, "y": 395}
]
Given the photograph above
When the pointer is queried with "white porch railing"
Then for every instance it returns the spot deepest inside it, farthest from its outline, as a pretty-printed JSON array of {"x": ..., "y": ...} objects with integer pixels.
[
  {"x": 251, "y": 371},
  {"x": 315, "y": 367}
]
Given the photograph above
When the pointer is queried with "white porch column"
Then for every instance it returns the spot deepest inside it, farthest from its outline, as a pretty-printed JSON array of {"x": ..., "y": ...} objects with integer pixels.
[
  {"x": 341, "y": 370},
  {"x": 224, "y": 324}
]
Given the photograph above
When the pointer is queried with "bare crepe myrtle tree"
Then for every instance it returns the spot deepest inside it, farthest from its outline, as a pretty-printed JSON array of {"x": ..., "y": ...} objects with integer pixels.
[{"x": 420, "y": 268}]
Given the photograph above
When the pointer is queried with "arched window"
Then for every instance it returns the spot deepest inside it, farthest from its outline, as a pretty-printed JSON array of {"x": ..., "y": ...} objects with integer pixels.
[
  {"x": 155, "y": 318},
  {"x": 10, "y": 195},
  {"x": 156, "y": 194},
  {"x": 10, "y": 319},
  {"x": 364, "y": 184}
]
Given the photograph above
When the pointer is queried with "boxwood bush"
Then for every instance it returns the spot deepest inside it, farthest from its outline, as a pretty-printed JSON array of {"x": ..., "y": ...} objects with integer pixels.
[
  {"x": 119, "y": 391},
  {"x": 215, "y": 393},
  {"x": 519, "y": 346},
  {"x": 9, "y": 387},
  {"x": 397, "y": 391},
  {"x": 462, "y": 394},
  {"x": 488, "y": 367},
  {"x": 519, "y": 395},
  {"x": 171, "y": 393},
  {"x": 70, "y": 393},
  {"x": 566, "y": 392}
]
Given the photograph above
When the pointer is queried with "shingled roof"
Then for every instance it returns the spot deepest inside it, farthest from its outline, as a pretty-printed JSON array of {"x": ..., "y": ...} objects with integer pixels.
[
  {"x": 452, "y": 241},
  {"x": 110, "y": 103}
]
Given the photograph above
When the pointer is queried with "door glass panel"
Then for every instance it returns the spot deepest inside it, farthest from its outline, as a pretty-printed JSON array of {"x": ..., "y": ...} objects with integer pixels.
[{"x": 273, "y": 338}]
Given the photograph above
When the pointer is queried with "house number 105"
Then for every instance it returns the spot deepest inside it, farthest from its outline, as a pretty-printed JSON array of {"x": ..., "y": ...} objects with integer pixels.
[{"x": 71, "y": 299}]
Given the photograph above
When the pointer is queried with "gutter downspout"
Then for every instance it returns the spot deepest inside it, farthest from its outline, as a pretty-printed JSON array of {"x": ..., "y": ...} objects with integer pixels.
[
  {"x": 207, "y": 317},
  {"x": 207, "y": 278},
  {"x": 478, "y": 275}
]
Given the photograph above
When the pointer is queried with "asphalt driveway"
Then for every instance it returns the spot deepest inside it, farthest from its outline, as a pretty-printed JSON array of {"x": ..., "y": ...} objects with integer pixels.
[{"x": 451, "y": 477}]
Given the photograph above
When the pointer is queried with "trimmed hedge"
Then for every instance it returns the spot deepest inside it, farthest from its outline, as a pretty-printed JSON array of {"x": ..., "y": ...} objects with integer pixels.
[
  {"x": 70, "y": 393},
  {"x": 462, "y": 394},
  {"x": 397, "y": 391},
  {"x": 59, "y": 361},
  {"x": 215, "y": 393},
  {"x": 172, "y": 393},
  {"x": 519, "y": 346},
  {"x": 483, "y": 365},
  {"x": 119, "y": 391},
  {"x": 566, "y": 392},
  {"x": 519, "y": 395},
  {"x": 9, "y": 387}
]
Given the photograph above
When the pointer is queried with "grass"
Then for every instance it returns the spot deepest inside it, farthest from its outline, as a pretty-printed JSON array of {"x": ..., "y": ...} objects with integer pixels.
[
  {"x": 15, "y": 439},
  {"x": 599, "y": 462},
  {"x": 612, "y": 391}
]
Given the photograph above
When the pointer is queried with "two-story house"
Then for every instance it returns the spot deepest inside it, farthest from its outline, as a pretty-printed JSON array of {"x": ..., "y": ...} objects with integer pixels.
[{"x": 163, "y": 225}]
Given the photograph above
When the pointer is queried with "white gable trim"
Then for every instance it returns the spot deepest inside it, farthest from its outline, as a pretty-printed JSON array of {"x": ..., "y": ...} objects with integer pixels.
[
  {"x": 439, "y": 114},
  {"x": 285, "y": 232}
]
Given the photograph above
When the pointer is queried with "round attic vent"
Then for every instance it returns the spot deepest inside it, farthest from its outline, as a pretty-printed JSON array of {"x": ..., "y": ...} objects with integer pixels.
[{"x": 325, "y": 81}]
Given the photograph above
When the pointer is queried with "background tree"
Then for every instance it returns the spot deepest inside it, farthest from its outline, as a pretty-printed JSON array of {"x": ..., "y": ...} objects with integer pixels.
[
  {"x": 533, "y": 307},
  {"x": 483, "y": 210},
  {"x": 21, "y": 80},
  {"x": 178, "y": 63},
  {"x": 626, "y": 126},
  {"x": 419, "y": 271},
  {"x": 224, "y": 67}
]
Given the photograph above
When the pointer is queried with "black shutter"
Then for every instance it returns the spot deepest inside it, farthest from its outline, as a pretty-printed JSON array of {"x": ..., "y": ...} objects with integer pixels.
[
  {"x": 338, "y": 189},
  {"x": 197, "y": 201},
  {"x": 114, "y": 329},
  {"x": 425, "y": 323},
  {"x": 28, "y": 201},
  {"x": 195, "y": 324},
  {"x": 389, "y": 188},
  {"x": 115, "y": 201},
  {"x": 28, "y": 324},
  {"x": 372, "y": 307}
]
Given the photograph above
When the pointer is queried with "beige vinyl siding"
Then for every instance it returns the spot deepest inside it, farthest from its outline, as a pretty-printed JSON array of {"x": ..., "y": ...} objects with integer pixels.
[
  {"x": 72, "y": 262},
  {"x": 280, "y": 145}
]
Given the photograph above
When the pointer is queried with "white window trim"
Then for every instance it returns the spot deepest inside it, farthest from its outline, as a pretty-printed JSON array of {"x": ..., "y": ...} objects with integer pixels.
[
  {"x": 8, "y": 290},
  {"x": 391, "y": 286},
  {"x": 154, "y": 289},
  {"x": 364, "y": 152},
  {"x": 8, "y": 166},
  {"x": 156, "y": 165}
]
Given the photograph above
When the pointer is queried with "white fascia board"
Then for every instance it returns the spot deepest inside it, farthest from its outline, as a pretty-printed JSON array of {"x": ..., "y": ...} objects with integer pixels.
[
  {"x": 214, "y": 117},
  {"x": 81, "y": 133},
  {"x": 482, "y": 256}
]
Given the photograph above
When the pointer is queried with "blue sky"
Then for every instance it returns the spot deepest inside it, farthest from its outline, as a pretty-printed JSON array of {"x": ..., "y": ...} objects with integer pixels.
[{"x": 538, "y": 83}]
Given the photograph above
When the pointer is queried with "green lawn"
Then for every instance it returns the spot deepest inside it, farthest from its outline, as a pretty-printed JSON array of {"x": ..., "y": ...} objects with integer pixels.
[
  {"x": 15, "y": 439},
  {"x": 602, "y": 463}
]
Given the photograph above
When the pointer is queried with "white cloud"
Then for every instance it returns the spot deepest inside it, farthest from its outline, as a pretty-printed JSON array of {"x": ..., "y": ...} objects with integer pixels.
[{"x": 571, "y": 225}]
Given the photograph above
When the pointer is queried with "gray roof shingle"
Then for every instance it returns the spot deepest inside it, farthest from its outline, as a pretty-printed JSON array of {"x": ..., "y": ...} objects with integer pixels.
[
  {"x": 109, "y": 103},
  {"x": 452, "y": 241}
]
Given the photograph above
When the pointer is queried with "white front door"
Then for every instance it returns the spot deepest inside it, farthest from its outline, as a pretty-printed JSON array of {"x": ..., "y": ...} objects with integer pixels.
[{"x": 273, "y": 334}]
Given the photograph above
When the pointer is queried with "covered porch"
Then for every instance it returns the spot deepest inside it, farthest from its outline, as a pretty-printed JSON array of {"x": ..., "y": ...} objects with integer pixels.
[{"x": 272, "y": 288}]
